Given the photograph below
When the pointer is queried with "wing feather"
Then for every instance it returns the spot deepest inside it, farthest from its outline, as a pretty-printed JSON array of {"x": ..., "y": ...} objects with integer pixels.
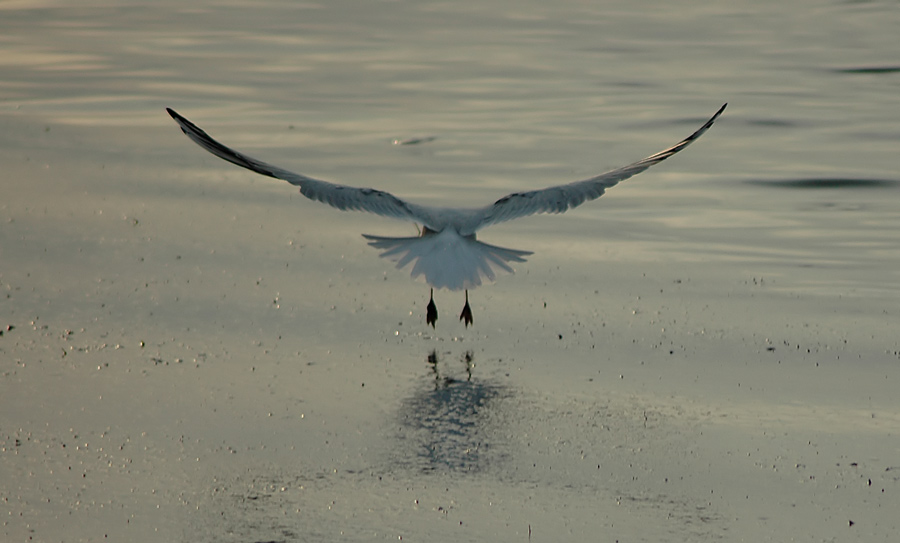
[
  {"x": 564, "y": 197},
  {"x": 340, "y": 196}
]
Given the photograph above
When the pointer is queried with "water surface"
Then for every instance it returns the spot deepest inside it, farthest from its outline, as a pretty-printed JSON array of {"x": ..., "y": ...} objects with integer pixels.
[{"x": 192, "y": 352}]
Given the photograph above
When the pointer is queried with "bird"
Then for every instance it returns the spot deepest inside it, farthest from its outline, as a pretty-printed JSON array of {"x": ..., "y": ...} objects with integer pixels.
[{"x": 446, "y": 252}]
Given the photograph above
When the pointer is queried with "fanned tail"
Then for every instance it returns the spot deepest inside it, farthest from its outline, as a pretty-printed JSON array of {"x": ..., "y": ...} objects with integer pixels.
[{"x": 448, "y": 260}]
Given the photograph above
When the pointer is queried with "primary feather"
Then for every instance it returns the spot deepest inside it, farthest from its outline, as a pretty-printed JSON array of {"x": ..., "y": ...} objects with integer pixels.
[
  {"x": 447, "y": 254},
  {"x": 561, "y": 198}
]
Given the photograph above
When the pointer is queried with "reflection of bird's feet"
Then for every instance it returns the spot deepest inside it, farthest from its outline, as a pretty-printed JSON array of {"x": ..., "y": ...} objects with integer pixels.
[
  {"x": 431, "y": 311},
  {"x": 466, "y": 314}
]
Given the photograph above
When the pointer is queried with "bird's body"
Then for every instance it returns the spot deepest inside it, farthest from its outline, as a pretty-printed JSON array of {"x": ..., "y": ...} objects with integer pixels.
[{"x": 446, "y": 254}]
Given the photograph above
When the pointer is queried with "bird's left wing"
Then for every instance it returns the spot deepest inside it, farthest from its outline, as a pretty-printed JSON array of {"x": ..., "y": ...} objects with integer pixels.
[
  {"x": 564, "y": 197},
  {"x": 339, "y": 196}
]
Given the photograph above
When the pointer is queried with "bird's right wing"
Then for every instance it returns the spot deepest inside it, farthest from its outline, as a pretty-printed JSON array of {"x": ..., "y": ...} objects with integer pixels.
[
  {"x": 339, "y": 196},
  {"x": 564, "y": 197}
]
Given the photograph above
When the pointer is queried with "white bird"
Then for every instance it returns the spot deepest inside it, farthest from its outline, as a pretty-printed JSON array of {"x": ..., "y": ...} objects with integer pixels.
[{"x": 446, "y": 252}]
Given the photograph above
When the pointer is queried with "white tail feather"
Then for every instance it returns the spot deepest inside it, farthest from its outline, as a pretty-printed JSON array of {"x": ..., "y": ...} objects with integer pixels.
[{"x": 448, "y": 260}]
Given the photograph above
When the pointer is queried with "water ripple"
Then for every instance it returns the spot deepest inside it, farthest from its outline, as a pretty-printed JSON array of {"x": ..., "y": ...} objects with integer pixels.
[
  {"x": 868, "y": 70},
  {"x": 824, "y": 183}
]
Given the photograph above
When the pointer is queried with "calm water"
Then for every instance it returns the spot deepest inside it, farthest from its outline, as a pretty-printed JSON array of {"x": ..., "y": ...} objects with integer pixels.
[{"x": 191, "y": 352}]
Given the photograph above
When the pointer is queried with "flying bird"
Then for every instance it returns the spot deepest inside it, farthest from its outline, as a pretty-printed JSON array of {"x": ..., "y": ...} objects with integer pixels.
[{"x": 445, "y": 252}]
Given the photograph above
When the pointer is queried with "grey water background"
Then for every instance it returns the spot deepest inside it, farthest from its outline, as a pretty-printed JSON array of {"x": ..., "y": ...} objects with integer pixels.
[{"x": 192, "y": 352}]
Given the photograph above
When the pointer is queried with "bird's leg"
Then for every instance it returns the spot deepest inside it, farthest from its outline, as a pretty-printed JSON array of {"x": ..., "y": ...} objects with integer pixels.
[
  {"x": 466, "y": 314},
  {"x": 431, "y": 311}
]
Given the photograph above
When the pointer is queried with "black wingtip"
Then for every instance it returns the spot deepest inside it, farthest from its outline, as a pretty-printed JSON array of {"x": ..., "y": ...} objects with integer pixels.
[
  {"x": 706, "y": 125},
  {"x": 175, "y": 115},
  {"x": 721, "y": 109},
  {"x": 183, "y": 123},
  {"x": 716, "y": 116}
]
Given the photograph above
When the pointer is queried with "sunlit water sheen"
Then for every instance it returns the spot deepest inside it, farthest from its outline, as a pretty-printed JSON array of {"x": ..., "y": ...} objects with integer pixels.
[{"x": 706, "y": 353}]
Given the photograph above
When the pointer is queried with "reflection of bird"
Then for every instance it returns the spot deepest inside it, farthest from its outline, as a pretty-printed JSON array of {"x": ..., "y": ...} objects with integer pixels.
[
  {"x": 454, "y": 422},
  {"x": 446, "y": 251}
]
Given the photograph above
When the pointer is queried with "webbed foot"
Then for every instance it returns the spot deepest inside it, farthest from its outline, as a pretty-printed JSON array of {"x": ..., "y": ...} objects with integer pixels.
[
  {"x": 466, "y": 314},
  {"x": 431, "y": 311}
]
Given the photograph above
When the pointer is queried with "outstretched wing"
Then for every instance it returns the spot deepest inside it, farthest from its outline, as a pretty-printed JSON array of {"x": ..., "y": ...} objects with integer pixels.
[
  {"x": 564, "y": 197},
  {"x": 339, "y": 196}
]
